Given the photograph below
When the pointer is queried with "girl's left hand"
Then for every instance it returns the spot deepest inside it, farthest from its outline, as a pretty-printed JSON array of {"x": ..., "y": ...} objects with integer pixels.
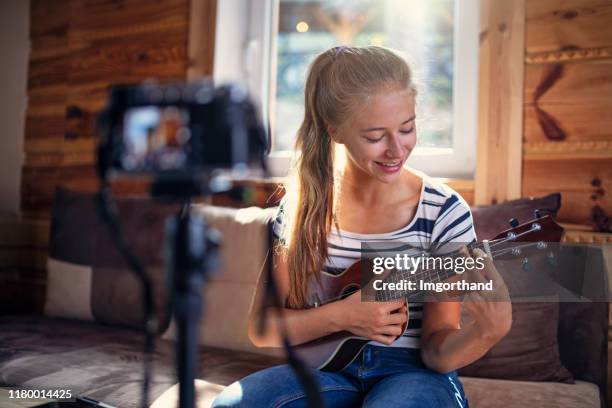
[{"x": 491, "y": 310}]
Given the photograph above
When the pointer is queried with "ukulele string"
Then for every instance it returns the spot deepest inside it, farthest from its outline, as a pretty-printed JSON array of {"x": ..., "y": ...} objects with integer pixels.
[{"x": 425, "y": 273}]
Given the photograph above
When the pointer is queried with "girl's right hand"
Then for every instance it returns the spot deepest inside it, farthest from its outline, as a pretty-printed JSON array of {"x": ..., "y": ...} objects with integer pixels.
[{"x": 380, "y": 321}]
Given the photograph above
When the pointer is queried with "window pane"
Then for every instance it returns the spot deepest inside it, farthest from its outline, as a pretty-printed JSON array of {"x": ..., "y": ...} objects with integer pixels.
[{"x": 422, "y": 30}]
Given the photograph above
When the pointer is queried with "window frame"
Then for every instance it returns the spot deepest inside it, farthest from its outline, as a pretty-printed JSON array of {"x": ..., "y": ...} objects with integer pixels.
[{"x": 245, "y": 52}]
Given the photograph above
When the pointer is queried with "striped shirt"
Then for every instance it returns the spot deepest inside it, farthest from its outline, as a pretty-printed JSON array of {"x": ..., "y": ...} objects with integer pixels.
[{"x": 442, "y": 217}]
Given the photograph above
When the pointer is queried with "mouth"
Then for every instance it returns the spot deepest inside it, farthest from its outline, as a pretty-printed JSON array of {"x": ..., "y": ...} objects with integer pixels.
[{"x": 390, "y": 166}]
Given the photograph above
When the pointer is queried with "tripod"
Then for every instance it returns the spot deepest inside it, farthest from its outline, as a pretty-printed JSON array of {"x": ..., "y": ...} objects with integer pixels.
[{"x": 193, "y": 254}]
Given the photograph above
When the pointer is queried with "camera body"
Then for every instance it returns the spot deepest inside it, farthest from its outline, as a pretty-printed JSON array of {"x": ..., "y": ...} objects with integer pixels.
[{"x": 181, "y": 134}]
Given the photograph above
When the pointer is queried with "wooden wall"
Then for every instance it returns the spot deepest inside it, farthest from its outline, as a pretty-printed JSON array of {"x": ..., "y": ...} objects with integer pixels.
[
  {"x": 79, "y": 49},
  {"x": 545, "y": 108},
  {"x": 567, "y": 139}
]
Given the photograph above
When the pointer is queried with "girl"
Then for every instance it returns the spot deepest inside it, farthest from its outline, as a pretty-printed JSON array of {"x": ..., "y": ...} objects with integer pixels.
[{"x": 363, "y": 99}]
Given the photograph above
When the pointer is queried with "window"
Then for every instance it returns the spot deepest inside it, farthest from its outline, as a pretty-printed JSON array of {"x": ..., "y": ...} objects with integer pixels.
[{"x": 270, "y": 43}]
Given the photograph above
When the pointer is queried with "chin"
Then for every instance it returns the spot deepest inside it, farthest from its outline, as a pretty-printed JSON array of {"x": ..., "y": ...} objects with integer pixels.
[{"x": 388, "y": 178}]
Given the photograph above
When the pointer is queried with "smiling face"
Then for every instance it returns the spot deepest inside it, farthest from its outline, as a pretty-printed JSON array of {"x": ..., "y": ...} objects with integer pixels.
[{"x": 380, "y": 135}]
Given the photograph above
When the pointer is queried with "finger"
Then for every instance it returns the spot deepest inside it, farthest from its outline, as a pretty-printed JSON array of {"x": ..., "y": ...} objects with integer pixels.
[
  {"x": 499, "y": 284},
  {"x": 479, "y": 275},
  {"x": 489, "y": 269},
  {"x": 397, "y": 318},
  {"x": 475, "y": 297},
  {"x": 387, "y": 340},
  {"x": 389, "y": 307},
  {"x": 391, "y": 330},
  {"x": 402, "y": 309},
  {"x": 475, "y": 276},
  {"x": 464, "y": 251}
]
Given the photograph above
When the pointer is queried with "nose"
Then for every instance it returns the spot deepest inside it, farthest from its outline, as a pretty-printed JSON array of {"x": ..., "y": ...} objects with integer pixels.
[{"x": 394, "y": 147}]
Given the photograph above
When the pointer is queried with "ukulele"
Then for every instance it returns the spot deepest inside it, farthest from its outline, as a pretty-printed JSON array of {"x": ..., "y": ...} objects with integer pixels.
[{"x": 336, "y": 351}]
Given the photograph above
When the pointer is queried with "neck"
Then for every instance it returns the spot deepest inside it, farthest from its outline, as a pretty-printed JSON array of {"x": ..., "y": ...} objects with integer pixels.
[
  {"x": 424, "y": 272},
  {"x": 365, "y": 189}
]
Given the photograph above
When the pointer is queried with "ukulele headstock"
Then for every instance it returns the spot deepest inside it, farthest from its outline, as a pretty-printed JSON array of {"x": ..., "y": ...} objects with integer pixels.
[
  {"x": 539, "y": 232},
  {"x": 541, "y": 228}
]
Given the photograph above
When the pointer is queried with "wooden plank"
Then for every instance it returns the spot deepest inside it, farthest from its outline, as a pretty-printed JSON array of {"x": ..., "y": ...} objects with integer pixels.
[
  {"x": 580, "y": 121},
  {"x": 553, "y": 25},
  {"x": 79, "y": 49},
  {"x": 548, "y": 150},
  {"x": 586, "y": 237},
  {"x": 60, "y": 145},
  {"x": 498, "y": 167},
  {"x": 20, "y": 232},
  {"x": 39, "y": 183},
  {"x": 571, "y": 117},
  {"x": 60, "y": 159},
  {"x": 590, "y": 54},
  {"x": 48, "y": 29},
  {"x": 48, "y": 18},
  {"x": 201, "y": 43},
  {"x": 576, "y": 84},
  {"x": 160, "y": 55},
  {"x": 47, "y": 72},
  {"x": 44, "y": 126},
  {"x": 48, "y": 47},
  {"x": 583, "y": 184},
  {"x": 100, "y": 19}
]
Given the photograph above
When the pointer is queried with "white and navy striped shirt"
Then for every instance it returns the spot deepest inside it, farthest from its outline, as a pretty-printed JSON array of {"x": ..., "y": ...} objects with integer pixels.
[{"x": 442, "y": 217}]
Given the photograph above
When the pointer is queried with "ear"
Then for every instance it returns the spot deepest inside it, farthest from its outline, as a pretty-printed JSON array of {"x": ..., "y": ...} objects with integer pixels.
[{"x": 333, "y": 133}]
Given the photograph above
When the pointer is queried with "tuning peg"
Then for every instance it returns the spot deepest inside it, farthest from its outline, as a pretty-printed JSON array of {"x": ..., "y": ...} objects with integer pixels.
[
  {"x": 516, "y": 251},
  {"x": 527, "y": 267},
  {"x": 537, "y": 214},
  {"x": 513, "y": 222}
]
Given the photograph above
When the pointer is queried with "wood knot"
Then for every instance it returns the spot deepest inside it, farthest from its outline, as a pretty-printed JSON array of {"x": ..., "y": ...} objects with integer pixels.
[
  {"x": 570, "y": 14},
  {"x": 596, "y": 182},
  {"x": 482, "y": 36},
  {"x": 502, "y": 27}
]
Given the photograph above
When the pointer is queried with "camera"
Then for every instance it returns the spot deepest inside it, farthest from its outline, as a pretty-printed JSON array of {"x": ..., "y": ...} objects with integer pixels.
[
  {"x": 186, "y": 136},
  {"x": 191, "y": 139}
]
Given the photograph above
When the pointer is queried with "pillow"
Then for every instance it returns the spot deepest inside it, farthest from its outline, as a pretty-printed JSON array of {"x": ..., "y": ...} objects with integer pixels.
[
  {"x": 230, "y": 293},
  {"x": 87, "y": 277},
  {"x": 489, "y": 220},
  {"x": 530, "y": 351},
  {"x": 583, "y": 326}
]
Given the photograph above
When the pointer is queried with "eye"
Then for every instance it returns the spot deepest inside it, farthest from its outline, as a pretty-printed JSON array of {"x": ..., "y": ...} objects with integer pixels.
[
  {"x": 406, "y": 132},
  {"x": 372, "y": 140}
]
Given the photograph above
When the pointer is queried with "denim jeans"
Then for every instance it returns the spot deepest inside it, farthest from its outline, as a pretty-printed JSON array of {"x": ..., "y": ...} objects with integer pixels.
[{"x": 378, "y": 377}]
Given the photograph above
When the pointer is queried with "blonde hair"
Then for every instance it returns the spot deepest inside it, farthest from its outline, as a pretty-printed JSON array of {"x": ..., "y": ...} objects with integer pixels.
[{"x": 338, "y": 80}]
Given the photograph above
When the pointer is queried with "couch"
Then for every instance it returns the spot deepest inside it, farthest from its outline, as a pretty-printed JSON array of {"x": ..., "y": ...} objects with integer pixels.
[{"x": 88, "y": 338}]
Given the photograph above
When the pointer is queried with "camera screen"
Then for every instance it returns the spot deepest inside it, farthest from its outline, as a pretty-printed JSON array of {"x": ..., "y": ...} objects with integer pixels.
[{"x": 155, "y": 138}]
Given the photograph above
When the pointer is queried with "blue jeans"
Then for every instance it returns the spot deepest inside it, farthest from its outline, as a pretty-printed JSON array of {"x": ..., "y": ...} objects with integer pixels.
[{"x": 378, "y": 377}]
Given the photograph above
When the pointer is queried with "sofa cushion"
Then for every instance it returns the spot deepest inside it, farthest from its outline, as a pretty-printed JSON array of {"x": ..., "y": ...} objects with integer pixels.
[
  {"x": 530, "y": 351},
  {"x": 87, "y": 277},
  {"x": 68, "y": 290},
  {"x": 230, "y": 294},
  {"x": 582, "y": 331},
  {"x": 583, "y": 341},
  {"x": 489, "y": 393},
  {"x": 103, "y": 362}
]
